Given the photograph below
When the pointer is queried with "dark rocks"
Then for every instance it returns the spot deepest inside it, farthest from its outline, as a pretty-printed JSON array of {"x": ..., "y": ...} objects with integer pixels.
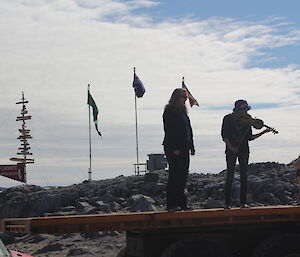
[
  {"x": 7, "y": 238},
  {"x": 82, "y": 205},
  {"x": 103, "y": 206},
  {"x": 77, "y": 251},
  {"x": 211, "y": 204},
  {"x": 140, "y": 203},
  {"x": 268, "y": 183},
  {"x": 68, "y": 209},
  {"x": 151, "y": 177},
  {"x": 268, "y": 198},
  {"x": 54, "y": 247},
  {"x": 108, "y": 197},
  {"x": 32, "y": 239}
]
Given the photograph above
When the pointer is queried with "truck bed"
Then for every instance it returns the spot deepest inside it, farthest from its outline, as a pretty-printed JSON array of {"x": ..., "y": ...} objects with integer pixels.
[{"x": 151, "y": 220}]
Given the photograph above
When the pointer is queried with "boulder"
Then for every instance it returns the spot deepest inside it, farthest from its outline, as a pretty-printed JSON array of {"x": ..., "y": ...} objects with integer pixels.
[
  {"x": 82, "y": 205},
  {"x": 212, "y": 203},
  {"x": 141, "y": 203}
]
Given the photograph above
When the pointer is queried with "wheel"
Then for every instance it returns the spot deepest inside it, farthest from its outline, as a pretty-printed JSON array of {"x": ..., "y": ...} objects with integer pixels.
[
  {"x": 282, "y": 245},
  {"x": 195, "y": 248}
]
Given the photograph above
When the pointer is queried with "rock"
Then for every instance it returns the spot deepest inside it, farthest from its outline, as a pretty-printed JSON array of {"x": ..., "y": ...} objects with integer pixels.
[
  {"x": 60, "y": 213},
  {"x": 33, "y": 239},
  {"x": 147, "y": 187},
  {"x": 82, "y": 205},
  {"x": 115, "y": 207},
  {"x": 107, "y": 198},
  {"x": 49, "y": 248},
  {"x": 211, "y": 203},
  {"x": 68, "y": 208},
  {"x": 69, "y": 197},
  {"x": 141, "y": 203},
  {"x": 108, "y": 247},
  {"x": 91, "y": 235},
  {"x": 151, "y": 177},
  {"x": 158, "y": 189},
  {"x": 268, "y": 198},
  {"x": 105, "y": 207},
  {"x": 77, "y": 251},
  {"x": 7, "y": 238},
  {"x": 114, "y": 233},
  {"x": 89, "y": 210}
]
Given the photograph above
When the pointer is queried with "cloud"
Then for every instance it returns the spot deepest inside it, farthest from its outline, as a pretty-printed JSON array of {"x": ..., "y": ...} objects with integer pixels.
[{"x": 54, "y": 49}]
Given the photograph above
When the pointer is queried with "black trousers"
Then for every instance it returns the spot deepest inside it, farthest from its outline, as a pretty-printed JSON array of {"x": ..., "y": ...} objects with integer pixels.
[
  {"x": 178, "y": 173},
  {"x": 243, "y": 159}
]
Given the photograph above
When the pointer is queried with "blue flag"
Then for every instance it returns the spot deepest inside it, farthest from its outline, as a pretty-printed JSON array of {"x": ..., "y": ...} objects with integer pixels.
[{"x": 138, "y": 86}]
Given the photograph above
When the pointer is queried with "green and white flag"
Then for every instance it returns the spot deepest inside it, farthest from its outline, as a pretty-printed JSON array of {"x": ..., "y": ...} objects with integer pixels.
[{"x": 91, "y": 102}]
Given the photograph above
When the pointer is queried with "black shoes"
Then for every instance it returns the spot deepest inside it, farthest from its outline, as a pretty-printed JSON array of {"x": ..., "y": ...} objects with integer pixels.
[
  {"x": 184, "y": 208},
  {"x": 245, "y": 206},
  {"x": 173, "y": 209},
  {"x": 227, "y": 207}
]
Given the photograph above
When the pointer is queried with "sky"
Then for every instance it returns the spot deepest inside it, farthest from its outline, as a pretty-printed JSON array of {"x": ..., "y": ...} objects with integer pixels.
[{"x": 226, "y": 50}]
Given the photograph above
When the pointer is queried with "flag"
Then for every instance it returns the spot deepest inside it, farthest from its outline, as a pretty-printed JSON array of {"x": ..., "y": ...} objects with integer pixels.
[
  {"x": 92, "y": 103},
  {"x": 192, "y": 100},
  {"x": 138, "y": 86}
]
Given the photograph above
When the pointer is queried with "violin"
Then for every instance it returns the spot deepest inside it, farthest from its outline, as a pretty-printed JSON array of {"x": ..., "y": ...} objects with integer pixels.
[{"x": 247, "y": 120}]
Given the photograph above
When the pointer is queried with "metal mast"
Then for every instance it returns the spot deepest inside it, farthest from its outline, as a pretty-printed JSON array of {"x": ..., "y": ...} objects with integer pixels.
[{"x": 90, "y": 141}]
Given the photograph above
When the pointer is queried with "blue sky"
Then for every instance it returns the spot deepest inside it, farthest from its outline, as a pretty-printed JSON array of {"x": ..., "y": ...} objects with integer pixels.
[
  {"x": 240, "y": 9},
  {"x": 287, "y": 11},
  {"x": 226, "y": 50}
]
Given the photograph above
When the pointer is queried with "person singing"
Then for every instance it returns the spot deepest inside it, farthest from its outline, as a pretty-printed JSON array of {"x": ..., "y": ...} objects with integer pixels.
[{"x": 178, "y": 145}]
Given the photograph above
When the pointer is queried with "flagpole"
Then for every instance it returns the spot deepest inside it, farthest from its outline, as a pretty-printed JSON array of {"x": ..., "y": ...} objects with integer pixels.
[
  {"x": 90, "y": 141},
  {"x": 136, "y": 133}
]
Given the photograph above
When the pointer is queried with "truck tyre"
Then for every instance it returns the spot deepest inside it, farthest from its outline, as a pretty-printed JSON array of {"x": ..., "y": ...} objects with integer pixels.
[
  {"x": 282, "y": 245},
  {"x": 195, "y": 248}
]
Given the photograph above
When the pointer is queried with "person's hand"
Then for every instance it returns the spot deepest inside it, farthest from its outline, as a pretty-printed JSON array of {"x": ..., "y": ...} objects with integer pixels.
[
  {"x": 193, "y": 152},
  {"x": 267, "y": 130},
  {"x": 176, "y": 152}
]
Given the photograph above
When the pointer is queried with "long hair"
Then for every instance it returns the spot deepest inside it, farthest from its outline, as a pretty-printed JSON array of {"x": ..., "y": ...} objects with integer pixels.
[{"x": 174, "y": 102}]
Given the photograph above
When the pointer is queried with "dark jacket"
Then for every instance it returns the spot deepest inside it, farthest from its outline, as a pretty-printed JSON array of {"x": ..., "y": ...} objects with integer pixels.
[
  {"x": 175, "y": 129},
  {"x": 236, "y": 133}
]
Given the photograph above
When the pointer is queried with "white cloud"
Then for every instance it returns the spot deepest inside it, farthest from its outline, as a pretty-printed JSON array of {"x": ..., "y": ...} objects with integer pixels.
[{"x": 53, "y": 49}]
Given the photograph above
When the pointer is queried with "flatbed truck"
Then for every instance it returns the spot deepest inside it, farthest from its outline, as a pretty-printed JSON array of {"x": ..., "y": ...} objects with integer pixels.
[{"x": 269, "y": 231}]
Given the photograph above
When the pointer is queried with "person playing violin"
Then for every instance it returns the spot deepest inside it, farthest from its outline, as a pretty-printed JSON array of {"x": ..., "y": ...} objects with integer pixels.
[{"x": 236, "y": 136}]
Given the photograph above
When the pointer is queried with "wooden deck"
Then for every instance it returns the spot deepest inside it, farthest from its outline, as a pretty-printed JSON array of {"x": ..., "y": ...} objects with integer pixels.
[{"x": 151, "y": 220}]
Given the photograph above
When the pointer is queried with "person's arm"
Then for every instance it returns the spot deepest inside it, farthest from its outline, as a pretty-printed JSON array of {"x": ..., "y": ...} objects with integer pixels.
[
  {"x": 225, "y": 133},
  {"x": 170, "y": 127},
  {"x": 192, "y": 147},
  {"x": 260, "y": 134},
  {"x": 231, "y": 147}
]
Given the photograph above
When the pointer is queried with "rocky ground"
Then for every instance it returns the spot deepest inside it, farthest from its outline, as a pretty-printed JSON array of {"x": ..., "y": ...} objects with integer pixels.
[
  {"x": 61, "y": 245},
  {"x": 268, "y": 183}
]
